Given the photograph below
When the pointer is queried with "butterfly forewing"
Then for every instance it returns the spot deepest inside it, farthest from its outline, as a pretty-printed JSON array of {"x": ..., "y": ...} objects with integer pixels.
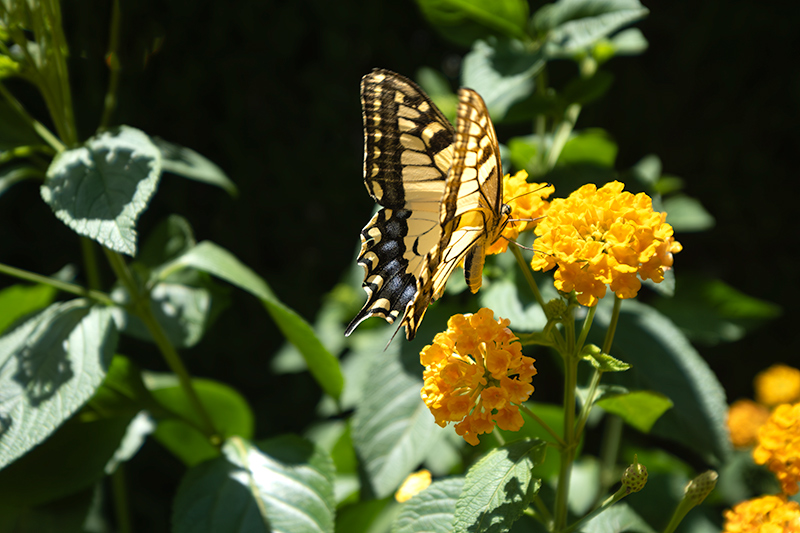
[{"x": 408, "y": 150}]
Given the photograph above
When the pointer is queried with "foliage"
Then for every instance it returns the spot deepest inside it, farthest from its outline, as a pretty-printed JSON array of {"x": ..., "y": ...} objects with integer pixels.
[{"x": 74, "y": 411}]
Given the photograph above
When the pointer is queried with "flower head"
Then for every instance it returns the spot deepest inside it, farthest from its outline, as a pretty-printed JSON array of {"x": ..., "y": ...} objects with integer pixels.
[
  {"x": 767, "y": 514},
  {"x": 606, "y": 236},
  {"x": 779, "y": 446},
  {"x": 475, "y": 374},
  {"x": 778, "y": 384},
  {"x": 527, "y": 204},
  {"x": 744, "y": 419}
]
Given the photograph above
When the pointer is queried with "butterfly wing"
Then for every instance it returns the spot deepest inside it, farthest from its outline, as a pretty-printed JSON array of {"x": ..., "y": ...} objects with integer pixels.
[
  {"x": 472, "y": 213},
  {"x": 408, "y": 152}
]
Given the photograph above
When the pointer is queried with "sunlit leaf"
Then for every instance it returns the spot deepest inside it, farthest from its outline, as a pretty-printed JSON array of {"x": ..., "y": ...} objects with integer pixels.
[
  {"x": 686, "y": 214},
  {"x": 187, "y": 163},
  {"x": 19, "y": 300},
  {"x": 640, "y": 409},
  {"x": 100, "y": 189},
  {"x": 432, "y": 510},
  {"x": 464, "y": 21},
  {"x": 49, "y": 367}
]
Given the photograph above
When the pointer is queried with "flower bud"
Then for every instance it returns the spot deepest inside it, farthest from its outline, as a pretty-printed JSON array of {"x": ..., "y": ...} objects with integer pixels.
[
  {"x": 700, "y": 487},
  {"x": 635, "y": 477}
]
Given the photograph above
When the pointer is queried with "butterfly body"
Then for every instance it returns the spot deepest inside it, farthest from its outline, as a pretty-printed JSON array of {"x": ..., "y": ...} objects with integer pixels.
[{"x": 441, "y": 192}]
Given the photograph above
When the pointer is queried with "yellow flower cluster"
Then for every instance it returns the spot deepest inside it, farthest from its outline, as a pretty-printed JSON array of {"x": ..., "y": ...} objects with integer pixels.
[
  {"x": 604, "y": 236},
  {"x": 744, "y": 419},
  {"x": 779, "y": 446},
  {"x": 475, "y": 374},
  {"x": 767, "y": 514},
  {"x": 527, "y": 204},
  {"x": 778, "y": 384}
]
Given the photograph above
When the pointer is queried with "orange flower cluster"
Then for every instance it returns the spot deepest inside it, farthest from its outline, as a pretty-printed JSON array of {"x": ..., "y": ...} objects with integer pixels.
[
  {"x": 778, "y": 384},
  {"x": 606, "y": 236},
  {"x": 475, "y": 374},
  {"x": 779, "y": 446},
  {"x": 767, "y": 514},
  {"x": 527, "y": 204},
  {"x": 744, "y": 419}
]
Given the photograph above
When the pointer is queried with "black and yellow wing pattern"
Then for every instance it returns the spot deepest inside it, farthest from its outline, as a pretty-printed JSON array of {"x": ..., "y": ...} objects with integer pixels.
[{"x": 440, "y": 189}]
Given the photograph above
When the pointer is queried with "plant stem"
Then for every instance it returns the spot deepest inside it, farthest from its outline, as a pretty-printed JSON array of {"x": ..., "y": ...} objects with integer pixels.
[
  {"x": 90, "y": 263},
  {"x": 587, "y": 325},
  {"x": 587, "y": 405},
  {"x": 611, "y": 500},
  {"x": 120, "y": 492},
  {"x": 57, "y": 283},
  {"x": 112, "y": 58},
  {"x": 543, "y": 424},
  {"x": 562, "y": 134},
  {"x": 612, "y": 326},
  {"x": 40, "y": 129},
  {"x": 142, "y": 309},
  {"x": 526, "y": 271},
  {"x": 568, "y": 453},
  {"x": 609, "y": 449}
]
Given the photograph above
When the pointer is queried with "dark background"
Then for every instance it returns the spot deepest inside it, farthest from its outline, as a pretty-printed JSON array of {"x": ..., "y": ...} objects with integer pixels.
[{"x": 269, "y": 91}]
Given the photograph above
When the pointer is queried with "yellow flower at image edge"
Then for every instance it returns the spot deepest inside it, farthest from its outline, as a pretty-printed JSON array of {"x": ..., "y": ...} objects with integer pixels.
[
  {"x": 475, "y": 374},
  {"x": 527, "y": 204},
  {"x": 606, "y": 236},
  {"x": 778, "y": 384},
  {"x": 767, "y": 514},
  {"x": 779, "y": 446}
]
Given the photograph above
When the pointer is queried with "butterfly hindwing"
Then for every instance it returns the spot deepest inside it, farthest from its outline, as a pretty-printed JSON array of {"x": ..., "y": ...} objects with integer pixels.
[{"x": 408, "y": 147}]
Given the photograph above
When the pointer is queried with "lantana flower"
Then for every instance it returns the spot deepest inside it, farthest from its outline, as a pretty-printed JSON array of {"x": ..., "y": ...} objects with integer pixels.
[
  {"x": 778, "y": 384},
  {"x": 527, "y": 201},
  {"x": 603, "y": 237},
  {"x": 779, "y": 446},
  {"x": 745, "y": 417},
  {"x": 767, "y": 514},
  {"x": 475, "y": 374}
]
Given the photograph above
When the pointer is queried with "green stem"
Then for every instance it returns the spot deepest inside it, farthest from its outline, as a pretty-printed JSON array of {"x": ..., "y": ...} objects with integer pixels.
[
  {"x": 562, "y": 135},
  {"x": 113, "y": 67},
  {"x": 57, "y": 283},
  {"x": 543, "y": 424},
  {"x": 120, "y": 494},
  {"x": 611, "y": 500},
  {"x": 38, "y": 127},
  {"x": 90, "y": 263},
  {"x": 141, "y": 306},
  {"x": 568, "y": 452},
  {"x": 612, "y": 326},
  {"x": 63, "y": 103},
  {"x": 587, "y": 405},
  {"x": 543, "y": 511},
  {"x": 609, "y": 450},
  {"x": 526, "y": 271},
  {"x": 587, "y": 325}
]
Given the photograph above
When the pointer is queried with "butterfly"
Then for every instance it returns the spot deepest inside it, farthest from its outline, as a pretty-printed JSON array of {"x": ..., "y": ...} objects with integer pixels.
[{"x": 441, "y": 193}]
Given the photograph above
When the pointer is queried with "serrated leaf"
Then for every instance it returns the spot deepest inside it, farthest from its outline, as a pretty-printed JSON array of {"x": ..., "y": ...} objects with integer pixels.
[
  {"x": 663, "y": 360},
  {"x": 464, "y": 21},
  {"x": 211, "y": 258},
  {"x": 283, "y": 484},
  {"x": 19, "y": 300},
  {"x": 603, "y": 361},
  {"x": 49, "y": 367},
  {"x": 640, "y": 409},
  {"x": 187, "y": 163},
  {"x": 616, "y": 519},
  {"x": 502, "y": 72},
  {"x": 575, "y": 25},
  {"x": 499, "y": 488},
  {"x": 393, "y": 430},
  {"x": 178, "y": 424},
  {"x": 687, "y": 214},
  {"x": 432, "y": 510},
  {"x": 100, "y": 189}
]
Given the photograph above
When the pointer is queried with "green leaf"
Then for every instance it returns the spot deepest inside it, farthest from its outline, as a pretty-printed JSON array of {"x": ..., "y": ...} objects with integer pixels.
[
  {"x": 620, "y": 517},
  {"x": 19, "y": 300},
  {"x": 283, "y": 484},
  {"x": 72, "y": 459},
  {"x": 647, "y": 170},
  {"x": 100, "y": 189},
  {"x": 640, "y": 409},
  {"x": 664, "y": 361},
  {"x": 686, "y": 214},
  {"x": 49, "y": 367},
  {"x": 499, "y": 487},
  {"x": 503, "y": 298},
  {"x": 393, "y": 431},
  {"x": 502, "y": 72},
  {"x": 370, "y": 516},
  {"x": 65, "y": 515},
  {"x": 586, "y": 90},
  {"x": 187, "y": 163},
  {"x": 432, "y": 510},
  {"x": 122, "y": 392},
  {"x": 591, "y": 146},
  {"x": 172, "y": 237},
  {"x": 177, "y": 427},
  {"x": 710, "y": 311},
  {"x": 573, "y": 26},
  {"x": 464, "y": 21},
  {"x": 208, "y": 257},
  {"x": 603, "y": 361},
  {"x": 438, "y": 88},
  {"x": 630, "y": 42},
  {"x": 553, "y": 416}
]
